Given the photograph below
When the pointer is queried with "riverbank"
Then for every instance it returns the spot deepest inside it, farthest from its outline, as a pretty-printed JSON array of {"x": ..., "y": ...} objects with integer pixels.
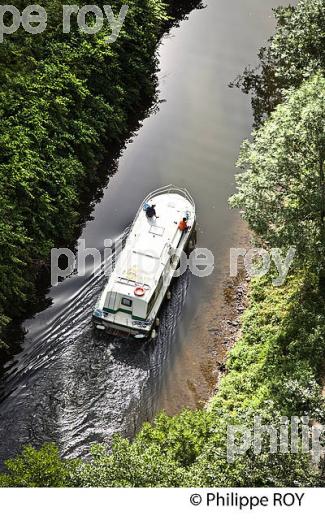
[
  {"x": 193, "y": 376},
  {"x": 226, "y": 330},
  {"x": 68, "y": 105},
  {"x": 224, "y": 321},
  {"x": 274, "y": 370}
]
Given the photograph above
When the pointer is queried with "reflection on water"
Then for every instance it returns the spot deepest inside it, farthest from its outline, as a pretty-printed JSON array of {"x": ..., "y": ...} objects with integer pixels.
[{"x": 66, "y": 386}]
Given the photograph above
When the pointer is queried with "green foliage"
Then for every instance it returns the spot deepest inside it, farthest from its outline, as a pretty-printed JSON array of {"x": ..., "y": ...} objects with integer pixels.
[
  {"x": 213, "y": 468},
  {"x": 159, "y": 457},
  {"x": 277, "y": 361},
  {"x": 128, "y": 466},
  {"x": 281, "y": 191},
  {"x": 38, "y": 468},
  {"x": 293, "y": 54}
]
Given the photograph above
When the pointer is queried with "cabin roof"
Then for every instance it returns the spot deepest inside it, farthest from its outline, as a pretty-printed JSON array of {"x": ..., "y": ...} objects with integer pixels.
[
  {"x": 147, "y": 248},
  {"x": 150, "y": 245}
]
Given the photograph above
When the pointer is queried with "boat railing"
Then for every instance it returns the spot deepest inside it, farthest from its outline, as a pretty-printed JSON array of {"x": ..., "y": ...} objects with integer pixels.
[
  {"x": 165, "y": 190},
  {"x": 171, "y": 189}
]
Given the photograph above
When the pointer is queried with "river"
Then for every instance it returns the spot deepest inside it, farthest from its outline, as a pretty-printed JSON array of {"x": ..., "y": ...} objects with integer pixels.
[{"x": 65, "y": 386}]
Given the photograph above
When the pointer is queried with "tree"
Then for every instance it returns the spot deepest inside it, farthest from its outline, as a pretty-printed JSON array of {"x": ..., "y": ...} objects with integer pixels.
[
  {"x": 292, "y": 55},
  {"x": 42, "y": 468},
  {"x": 281, "y": 190}
]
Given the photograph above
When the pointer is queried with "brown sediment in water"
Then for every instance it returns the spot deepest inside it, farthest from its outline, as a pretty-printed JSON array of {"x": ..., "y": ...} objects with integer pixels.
[
  {"x": 214, "y": 330},
  {"x": 222, "y": 323},
  {"x": 227, "y": 328}
]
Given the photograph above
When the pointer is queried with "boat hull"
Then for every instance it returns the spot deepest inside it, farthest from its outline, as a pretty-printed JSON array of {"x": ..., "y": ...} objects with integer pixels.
[{"x": 116, "y": 319}]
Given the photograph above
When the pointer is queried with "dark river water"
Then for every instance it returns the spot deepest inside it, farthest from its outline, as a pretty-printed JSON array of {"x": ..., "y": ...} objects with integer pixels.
[{"x": 65, "y": 385}]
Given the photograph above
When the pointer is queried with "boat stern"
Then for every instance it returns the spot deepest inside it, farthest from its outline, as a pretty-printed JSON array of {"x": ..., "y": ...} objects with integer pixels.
[{"x": 120, "y": 326}]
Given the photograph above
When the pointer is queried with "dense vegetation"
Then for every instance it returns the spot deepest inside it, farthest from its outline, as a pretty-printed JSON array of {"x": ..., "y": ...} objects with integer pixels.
[
  {"x": 276, "y": 369},
  {"x": 292, "y": 55},
  {"x": 281, "y": 190},
  {"x": 66, "y": 100}
]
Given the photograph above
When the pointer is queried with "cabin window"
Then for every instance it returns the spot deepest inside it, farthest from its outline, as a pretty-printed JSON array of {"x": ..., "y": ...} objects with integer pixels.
[{"x": 126, "y": 302}]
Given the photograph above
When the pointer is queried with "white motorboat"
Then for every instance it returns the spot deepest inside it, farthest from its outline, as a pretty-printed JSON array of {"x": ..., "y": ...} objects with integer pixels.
[{"x": 140, "y": 281}]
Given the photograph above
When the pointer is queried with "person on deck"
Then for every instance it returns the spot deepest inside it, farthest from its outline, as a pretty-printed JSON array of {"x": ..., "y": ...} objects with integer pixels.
[
  {"x": 183, "y": 225},
  {"x": 151, "y": 212}
]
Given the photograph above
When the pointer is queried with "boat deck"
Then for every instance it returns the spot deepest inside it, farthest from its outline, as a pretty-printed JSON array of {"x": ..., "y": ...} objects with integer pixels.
[{"x": 149, "y": 243}]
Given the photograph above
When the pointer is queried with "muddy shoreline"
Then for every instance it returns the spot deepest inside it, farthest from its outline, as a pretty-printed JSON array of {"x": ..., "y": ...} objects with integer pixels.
[
  {"x": 224, "y": 328},
  {"x": 214, "y": 330},
  {"x": 227, "y": 328},
  {"x": 224, "y": 325}
]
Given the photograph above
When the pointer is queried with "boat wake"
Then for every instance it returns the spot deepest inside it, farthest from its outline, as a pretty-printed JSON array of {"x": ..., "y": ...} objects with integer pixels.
[{"x": 68, "y": 387}]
